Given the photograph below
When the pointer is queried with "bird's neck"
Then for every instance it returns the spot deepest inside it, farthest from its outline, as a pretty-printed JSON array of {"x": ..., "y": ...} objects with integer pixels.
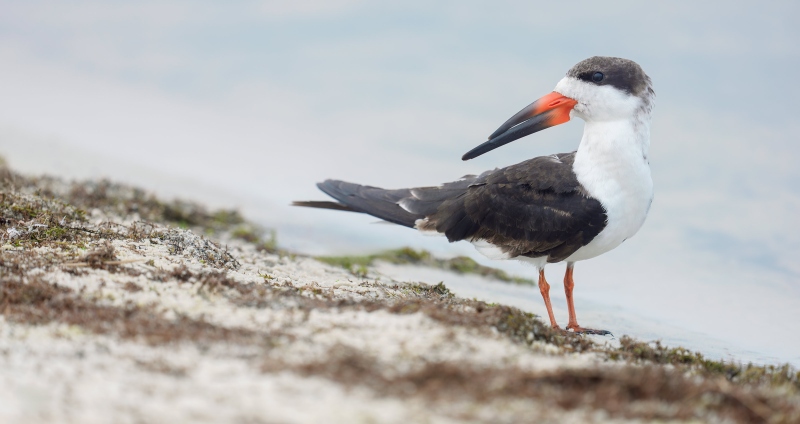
[
  {"x": 612, "y": 163},
  {"x": 625, "y": 139}
]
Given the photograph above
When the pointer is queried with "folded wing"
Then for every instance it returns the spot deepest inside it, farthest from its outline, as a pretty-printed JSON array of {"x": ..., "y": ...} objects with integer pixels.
[{"x": 534, "y": 208}]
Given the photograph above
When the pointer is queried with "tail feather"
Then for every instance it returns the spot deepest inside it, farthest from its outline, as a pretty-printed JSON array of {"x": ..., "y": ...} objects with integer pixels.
[
  {"x": 374, "y": 201},
  {"x": 324, "y": 205},
  {"x": 402, "y": 206}
]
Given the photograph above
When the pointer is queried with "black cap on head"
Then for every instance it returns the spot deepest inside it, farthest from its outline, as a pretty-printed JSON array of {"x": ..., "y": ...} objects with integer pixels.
[{"x": 623, "y": 74}]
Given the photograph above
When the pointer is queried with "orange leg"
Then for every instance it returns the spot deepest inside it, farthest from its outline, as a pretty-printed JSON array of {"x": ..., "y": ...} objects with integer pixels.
[
  {"x": 544, "y": 288},
  {"x": 569, "y": 284}
]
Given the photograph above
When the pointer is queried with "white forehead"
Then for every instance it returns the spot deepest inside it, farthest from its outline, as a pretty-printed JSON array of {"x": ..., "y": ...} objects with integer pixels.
[{"x": 598, "y": 102}]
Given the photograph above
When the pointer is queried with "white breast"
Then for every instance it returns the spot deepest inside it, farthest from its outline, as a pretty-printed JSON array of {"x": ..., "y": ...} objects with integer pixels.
[{"x": 612, "y": 165}]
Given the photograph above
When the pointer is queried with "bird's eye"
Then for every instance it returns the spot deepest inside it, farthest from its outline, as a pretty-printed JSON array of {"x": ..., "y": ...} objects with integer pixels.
[{"x": 597, "y": 76}]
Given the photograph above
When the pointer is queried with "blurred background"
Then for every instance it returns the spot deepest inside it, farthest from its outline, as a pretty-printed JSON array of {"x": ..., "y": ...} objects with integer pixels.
[{"x": 248, "y": 104}]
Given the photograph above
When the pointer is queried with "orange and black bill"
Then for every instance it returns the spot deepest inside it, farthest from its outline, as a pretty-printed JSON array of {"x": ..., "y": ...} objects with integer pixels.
[{"x": 548, "y": 111}]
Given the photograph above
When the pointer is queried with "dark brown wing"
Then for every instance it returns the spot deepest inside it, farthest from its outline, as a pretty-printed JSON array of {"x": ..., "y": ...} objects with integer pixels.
[{"x": 534, "y": 208}]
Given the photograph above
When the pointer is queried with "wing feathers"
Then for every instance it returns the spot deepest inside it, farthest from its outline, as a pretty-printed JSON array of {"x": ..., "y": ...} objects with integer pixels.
[{"x": 534, "y": 208}]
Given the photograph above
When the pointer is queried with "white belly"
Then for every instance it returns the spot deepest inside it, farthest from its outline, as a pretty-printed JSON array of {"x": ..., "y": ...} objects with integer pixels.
[{"x": 615, "y": 171}]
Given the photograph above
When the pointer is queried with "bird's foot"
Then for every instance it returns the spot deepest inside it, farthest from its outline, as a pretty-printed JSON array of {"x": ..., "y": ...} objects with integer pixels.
[{"x": 580, "y": 330}]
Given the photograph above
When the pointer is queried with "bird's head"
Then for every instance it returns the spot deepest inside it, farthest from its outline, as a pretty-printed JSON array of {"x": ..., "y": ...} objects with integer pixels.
[{"x": 596, "y": 89}]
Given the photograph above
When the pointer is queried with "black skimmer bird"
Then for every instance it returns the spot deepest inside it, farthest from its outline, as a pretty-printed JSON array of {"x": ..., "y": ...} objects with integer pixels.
[{"x": 566, "y": 207}]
